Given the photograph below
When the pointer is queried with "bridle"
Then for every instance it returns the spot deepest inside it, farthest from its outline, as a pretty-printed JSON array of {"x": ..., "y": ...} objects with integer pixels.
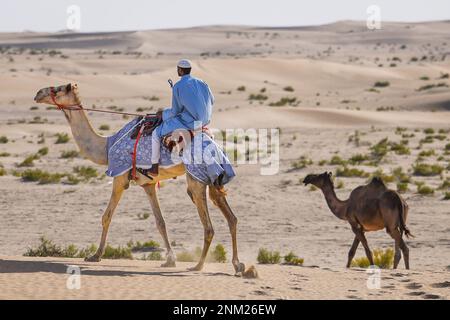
[{"x": 79, "y": 107}]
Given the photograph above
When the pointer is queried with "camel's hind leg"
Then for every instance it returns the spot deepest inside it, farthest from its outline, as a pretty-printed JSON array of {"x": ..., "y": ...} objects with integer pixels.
[
  {"x": 197, "y": 192},
  {"x": 218, "y": 197},
  {"x": 120, "y": 183},
  {"x": 399, "y": 245},
  {"x": 150, "y": 190}
]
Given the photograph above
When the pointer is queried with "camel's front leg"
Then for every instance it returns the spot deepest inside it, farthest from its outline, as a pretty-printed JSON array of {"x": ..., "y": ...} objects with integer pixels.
[
  {"x": 218, "y": 197},
  {"x": 150, "y": 190},
  {"x": 197, "y": 192},
  {"x": 120, "y": 183},
  {"x": 351, "y": 253}
]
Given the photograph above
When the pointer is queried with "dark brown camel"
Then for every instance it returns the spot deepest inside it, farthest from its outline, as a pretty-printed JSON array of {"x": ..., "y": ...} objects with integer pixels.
[{"x": 371, "y": 207}]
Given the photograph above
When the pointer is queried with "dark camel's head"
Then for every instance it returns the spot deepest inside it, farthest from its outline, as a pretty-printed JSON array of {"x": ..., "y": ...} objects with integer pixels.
[
  {"x": 66, "y": 95},
  {"x": 319, "y": 180}
]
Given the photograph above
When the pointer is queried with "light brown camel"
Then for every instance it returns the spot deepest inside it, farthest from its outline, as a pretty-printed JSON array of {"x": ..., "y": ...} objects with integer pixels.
[
  {"x": 371, "y": 207},
  {"x": 93, "y": 146}
]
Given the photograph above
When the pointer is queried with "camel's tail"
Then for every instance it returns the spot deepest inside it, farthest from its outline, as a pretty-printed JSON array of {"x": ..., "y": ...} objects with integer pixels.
[{"x": 403, "y": 211}]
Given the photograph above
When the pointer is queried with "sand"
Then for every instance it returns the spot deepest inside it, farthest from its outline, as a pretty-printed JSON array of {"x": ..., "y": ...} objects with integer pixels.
[{"x": 331, "y": 69}]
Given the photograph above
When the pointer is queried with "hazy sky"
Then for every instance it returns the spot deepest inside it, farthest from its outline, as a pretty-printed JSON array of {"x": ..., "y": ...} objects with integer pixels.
[{"x": 103, "y": 15}]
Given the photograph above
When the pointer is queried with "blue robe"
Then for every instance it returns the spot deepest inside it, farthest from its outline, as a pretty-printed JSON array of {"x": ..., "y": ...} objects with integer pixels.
[{"x": 192, "y": 102}]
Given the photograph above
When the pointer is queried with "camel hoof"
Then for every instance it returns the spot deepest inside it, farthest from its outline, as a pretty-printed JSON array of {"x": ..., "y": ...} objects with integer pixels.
[
  {"x": 92, "y": 259},
  {"x": 239, "y": 269},
  {"x": 168, "y": 264},
  {"x": 196, "y": 268}
]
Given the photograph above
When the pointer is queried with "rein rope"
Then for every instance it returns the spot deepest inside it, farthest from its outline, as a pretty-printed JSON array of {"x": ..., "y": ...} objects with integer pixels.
[{"x": 80, "y": 107}]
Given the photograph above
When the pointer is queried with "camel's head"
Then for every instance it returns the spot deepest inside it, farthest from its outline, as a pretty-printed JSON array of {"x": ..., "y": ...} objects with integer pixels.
[
  {"x": 64, "y": 95},
  {"x": 318, "y": 180}
]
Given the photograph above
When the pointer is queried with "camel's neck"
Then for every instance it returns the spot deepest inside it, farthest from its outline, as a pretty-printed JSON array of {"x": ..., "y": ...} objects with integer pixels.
[
  {"x": 338, "y": 207},
  {"x": 91, "y": 144}
]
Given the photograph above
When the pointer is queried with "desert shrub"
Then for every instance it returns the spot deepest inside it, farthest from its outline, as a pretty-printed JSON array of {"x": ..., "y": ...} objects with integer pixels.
[
  {"x": 424, "y": 190},
  {"x": 258, "y": 97},
  {"x": 428, "y": 131},
  {"x": 241, "y": 88},
  {"x": 3, "y": 139},
  {"x": 427, "y": 170},
  {"x": 43, "y": 151},
  {"x": 283, "y": 102},
  {"x": 303, "y": 162},
  {"x": 2, "y": 171},
  {"x": 143, "y": 216},
  {"x": 402, "y": 187},
  {"x": 427, "y": 153},
  {"x": 219, "y": 254},
  {"x": 288, "y": 89},
  {"x": 138, "y": 246},
  {"x": 69, "y": 154},
  {"x": 185, "y": 256},
  {"x": 385, "y": 177},
  {"x": 28, "y": 161},
  {"x": 153, "y": 256},
  {"x": 446, "y": 196},
  {"x": 339, "y": 184},
  {"x": 358, "y": 159},
  {"x": 31, "y": 175},
  {"x": 445, "y": 184},
  {"x": 47, "y": 178},
  {"x": 117, "y": 252},
  {"x": 86, "y": 172},
  {"x": 62, "y": 138},
  {"x": 104, "y": 127},
  {"x": 71, "y": 179},
  {"x": 381, "y": 84},
  {"x": 384, "y": 259},
  {"x": 380, "y": 149},
  {"x": 431, "y": 86},
  {"x": 400, "y": 148},
  {"x": 400, "y": 175},
  {"x": 46, "y": 248},
  {"x": 350, "y": 172},
  {"x": 268, "y": 257},
  {"x": 292, "y": 259},
  {"x": 447, "y": 147},
  {"x": 5, "y": 154},
  {"x": 337, "y": 160},
  {"x": 444, "y": 76},
  {"x": 424, "y": 78}
]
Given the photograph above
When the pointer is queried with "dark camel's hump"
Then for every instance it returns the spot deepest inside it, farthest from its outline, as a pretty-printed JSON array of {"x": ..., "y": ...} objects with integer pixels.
[{"x": 366, "y": 197}]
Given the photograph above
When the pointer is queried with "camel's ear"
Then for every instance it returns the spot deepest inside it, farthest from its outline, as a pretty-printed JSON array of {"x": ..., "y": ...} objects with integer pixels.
[
  {"x": 69, "y": 87},
  {"x": 330, "y": 174}
]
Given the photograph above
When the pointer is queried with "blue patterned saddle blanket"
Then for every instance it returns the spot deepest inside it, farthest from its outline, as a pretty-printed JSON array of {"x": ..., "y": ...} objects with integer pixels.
[{"x": 203, "y": 158}]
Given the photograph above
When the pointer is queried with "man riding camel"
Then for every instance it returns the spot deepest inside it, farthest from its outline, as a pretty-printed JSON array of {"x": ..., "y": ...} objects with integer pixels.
[{"x": 192, "y": 102}]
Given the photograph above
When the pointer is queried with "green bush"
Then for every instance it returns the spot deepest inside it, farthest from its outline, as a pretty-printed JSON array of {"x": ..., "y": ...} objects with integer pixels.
[
  {"x": 153, "y": 256},
  {"x": 384, "y": 259},
  {"x": 69, "y": 154},
  {"x": 427, "y": 170},
  {"x": 43, "y": 151},
  {"x": 3, "y": 139},
  {"x": 358, "y": 159},
  {"x": 47, "y": 178},
  {"x": 62, "y": 138},
  {"x": 5, "y": 154},
  {"x": 351, "y": 172},
  {"x": 283, "y": 102},
  {"x": 292, "y": 259},
  {"x": 428, "y": 131},
  {"x": 402, "y": 187},
  {"x": 258, "y": 97},
  {"x": 268, "y": 257},
  {"x": 446, "y": 196},
  {"x": 241, "y": 88},
  {"x": 138, "y": 246},
  {"x": 2, "y": 171},
  {"x": 425, "y": 190},
  {"x": 288, "y": 89},
  {"x": 117, "y": 252},
  {"x": 185, "y": 256},
  {"x": 104, "y": 127},
  {"x": 337, "y": 160},
  {"x": 32, "y": 175},
  {"x": 219, "y": 254},
  {"x": 303, "y": 162},
  {"x": 381, "y": 84},
  {"x": 28, "y": 161},
  {"x": 86, "y": 172}
]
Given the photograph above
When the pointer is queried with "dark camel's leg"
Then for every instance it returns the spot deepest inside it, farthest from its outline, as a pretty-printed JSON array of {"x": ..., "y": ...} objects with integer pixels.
[
  {"x": 352, "y": 251},
  {"x": 120, "y": 183},
  {"x": 362, "y": 238},
  {"x": 218, "y": 197},
  {"x": 150, "y": 190},
  {"x": 197, "y": 192},
  {"x": 400, "y": 243}
]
